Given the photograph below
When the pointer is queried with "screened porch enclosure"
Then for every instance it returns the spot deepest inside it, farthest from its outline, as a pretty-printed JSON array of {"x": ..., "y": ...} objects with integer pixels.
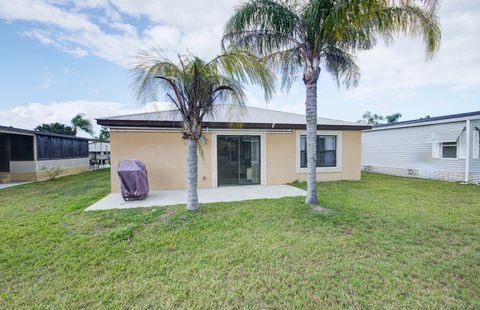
[
  {"x": 25, "y": 154},
  {"x": 53, "y": 147}
]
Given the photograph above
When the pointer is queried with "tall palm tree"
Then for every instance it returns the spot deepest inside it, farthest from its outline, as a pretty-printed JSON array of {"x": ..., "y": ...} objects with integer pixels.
[
  {"x": 194, "y": 86},
  {"x": 79, "y": 122},
  {"x": 308, "y": 36}
]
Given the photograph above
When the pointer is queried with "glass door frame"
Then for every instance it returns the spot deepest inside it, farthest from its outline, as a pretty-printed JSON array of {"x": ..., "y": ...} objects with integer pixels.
[{"x": 239, "y": 137}]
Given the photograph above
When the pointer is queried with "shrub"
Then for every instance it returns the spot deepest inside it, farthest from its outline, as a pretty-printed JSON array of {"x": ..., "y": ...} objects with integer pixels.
[{"x": 52, "y": 173}]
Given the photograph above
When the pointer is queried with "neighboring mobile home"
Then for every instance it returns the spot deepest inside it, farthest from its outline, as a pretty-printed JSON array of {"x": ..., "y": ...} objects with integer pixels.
[
  {"x": 99, "y": 154},
  {"x": 238, "y": 147},
  {"x": 24, "y": 153},
  {"x": 443, "y": 148}
]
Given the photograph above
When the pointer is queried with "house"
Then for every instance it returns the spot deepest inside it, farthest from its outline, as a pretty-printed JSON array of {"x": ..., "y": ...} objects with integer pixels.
[
  {"x": 24, "y": 153},
  {"x": 99, "y": 153},
  {"x": 443, "y": 148},
  {"x": 238, "y": 147}
]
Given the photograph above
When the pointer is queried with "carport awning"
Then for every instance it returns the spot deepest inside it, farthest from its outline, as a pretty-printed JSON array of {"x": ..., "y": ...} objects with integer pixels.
[{"x": 445, "y": 135}]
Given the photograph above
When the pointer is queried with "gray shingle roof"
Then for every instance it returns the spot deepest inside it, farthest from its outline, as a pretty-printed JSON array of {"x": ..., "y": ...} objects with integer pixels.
[{"x": 227, "y": 114}]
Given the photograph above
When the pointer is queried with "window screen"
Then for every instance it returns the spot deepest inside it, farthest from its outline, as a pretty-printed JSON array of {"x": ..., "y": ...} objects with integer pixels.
[
  {"x": 44, "y": 147},
  {"x": 83, "y": 148},
  {"x": 326, "y": 151},
  {"x": 49, "y": 147},
  {"x": 449, "y": 150},
  {"x": 57, "y": 147},
  {"x": 67, "y": 148},
  {"x": 21, "y": 148},
  {"x": 76, "y": 148}
]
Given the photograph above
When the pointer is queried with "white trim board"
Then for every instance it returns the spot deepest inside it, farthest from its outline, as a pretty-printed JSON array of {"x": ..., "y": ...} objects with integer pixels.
[{"x": 337, "y": 168}]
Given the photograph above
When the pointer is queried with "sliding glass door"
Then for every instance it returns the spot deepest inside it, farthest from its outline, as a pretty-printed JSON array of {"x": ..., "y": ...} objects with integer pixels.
[{"x": 238, "y": 160}]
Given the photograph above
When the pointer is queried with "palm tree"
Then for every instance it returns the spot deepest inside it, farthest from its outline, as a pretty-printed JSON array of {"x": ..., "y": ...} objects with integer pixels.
[
  {"x": 194, "y": 87},
  {"x": 393, "y": 118},
  {"x": 372, "y": 119},
  {"x": 308, "y": 36},
  {"x": 79, "y": 122},
  {"x": 104, "y": 134}
]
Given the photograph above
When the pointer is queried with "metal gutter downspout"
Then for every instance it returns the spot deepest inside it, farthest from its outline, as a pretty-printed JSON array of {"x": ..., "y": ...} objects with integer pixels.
[{"x": 467, "y": 150}]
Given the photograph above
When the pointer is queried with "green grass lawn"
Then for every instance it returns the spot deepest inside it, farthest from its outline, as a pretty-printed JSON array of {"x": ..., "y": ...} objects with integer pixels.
[{"x": 392, "y": 243}]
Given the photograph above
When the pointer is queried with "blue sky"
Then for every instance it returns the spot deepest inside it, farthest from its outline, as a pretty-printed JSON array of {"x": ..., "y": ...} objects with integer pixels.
[{"x": 63, "y": 57}]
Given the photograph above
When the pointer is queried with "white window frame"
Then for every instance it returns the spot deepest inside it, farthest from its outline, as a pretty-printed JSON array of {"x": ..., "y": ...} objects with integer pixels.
[
  {"x": 337, "y": 168},
  {"x": 449, "y": 158},
  {"x": 263, "y": 152},
  {"x": 476, "y": 144}
]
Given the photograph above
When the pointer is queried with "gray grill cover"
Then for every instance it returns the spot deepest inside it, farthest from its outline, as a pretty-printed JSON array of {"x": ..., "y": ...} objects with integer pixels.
[{"x": 133, "y": 178}]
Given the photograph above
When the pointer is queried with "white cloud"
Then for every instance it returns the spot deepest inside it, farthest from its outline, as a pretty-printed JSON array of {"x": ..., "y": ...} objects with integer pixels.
[
  {"x": 178, "y": 26},
  {"x": 400, "y": 69},
  {"x": 174, "y": 26},
  {"x": 116, "y": 30},
  {"x": 32, "y": 114},
  {"x": 43, "y": 12},
  {"x": 186, "y": 14}
]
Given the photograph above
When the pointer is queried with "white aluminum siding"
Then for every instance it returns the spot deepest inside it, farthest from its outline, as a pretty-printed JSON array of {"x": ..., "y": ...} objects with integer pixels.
[{"x": 394, "y": 151}]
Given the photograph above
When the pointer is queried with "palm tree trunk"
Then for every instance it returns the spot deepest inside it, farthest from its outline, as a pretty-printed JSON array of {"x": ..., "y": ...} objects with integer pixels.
[
  {"x": 192, "y": 175},
  {"x": 311, "y": 123}
]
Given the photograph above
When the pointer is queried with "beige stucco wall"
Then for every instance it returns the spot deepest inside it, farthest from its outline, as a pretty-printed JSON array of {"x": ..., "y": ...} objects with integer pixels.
[
  {"x": 282, "y": 152},
  {"x": 164, "y": 154}
]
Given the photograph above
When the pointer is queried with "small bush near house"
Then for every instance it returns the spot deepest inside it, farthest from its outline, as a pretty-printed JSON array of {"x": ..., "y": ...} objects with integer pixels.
[{"x": 52, "y": 173}]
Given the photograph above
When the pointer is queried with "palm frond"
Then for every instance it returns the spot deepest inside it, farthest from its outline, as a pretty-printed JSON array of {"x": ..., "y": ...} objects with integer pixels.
[
  {"x": 195, "y": 86},
  {"x": 262, "y": 25},
  {"x": 79, "y": 122},
  {"x": 342, "y": 66},
  {"x": 288, "y": 63},
  {"x": 246, "y": 68},
  {"x": 411, "y": 19}
]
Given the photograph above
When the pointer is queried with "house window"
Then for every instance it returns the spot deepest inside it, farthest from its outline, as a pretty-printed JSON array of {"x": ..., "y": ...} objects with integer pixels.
[
  {"x": 326, "y": 151},
  {"x": 449, "y": 150}
]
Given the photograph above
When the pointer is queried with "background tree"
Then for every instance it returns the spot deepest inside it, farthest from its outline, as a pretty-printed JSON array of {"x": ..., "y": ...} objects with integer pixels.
[
  {"x": 194, "y": 87},
  {"x": 306, "y": 37},
  {"x": 80, "y": 123},
  {"x": 104, "y": 134},
  {"x": 393, "y": 118},
  {"x": 57, "y": 128},
  {"x": 372, "y": 119},
  {"x": 377, "y": 119}
]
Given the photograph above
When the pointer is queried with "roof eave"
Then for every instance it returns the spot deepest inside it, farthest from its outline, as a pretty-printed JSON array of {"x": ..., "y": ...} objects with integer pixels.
[{"x": 223, "y": 125}]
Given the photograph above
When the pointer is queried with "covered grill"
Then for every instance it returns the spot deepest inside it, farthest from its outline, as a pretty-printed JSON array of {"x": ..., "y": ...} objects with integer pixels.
[{"x": 133, "y": 179}]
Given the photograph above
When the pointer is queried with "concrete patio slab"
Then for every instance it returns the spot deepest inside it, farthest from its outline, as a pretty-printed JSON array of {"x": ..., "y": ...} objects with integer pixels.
[
  {"x": 7, "y": 185},
  {"x": 205, "y": 195}
]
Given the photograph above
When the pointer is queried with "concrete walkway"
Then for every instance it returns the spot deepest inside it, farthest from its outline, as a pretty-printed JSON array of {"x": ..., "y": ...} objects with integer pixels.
[
  {"x": 7, "y": 185},
  {"x": 205, "y": 195}
]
